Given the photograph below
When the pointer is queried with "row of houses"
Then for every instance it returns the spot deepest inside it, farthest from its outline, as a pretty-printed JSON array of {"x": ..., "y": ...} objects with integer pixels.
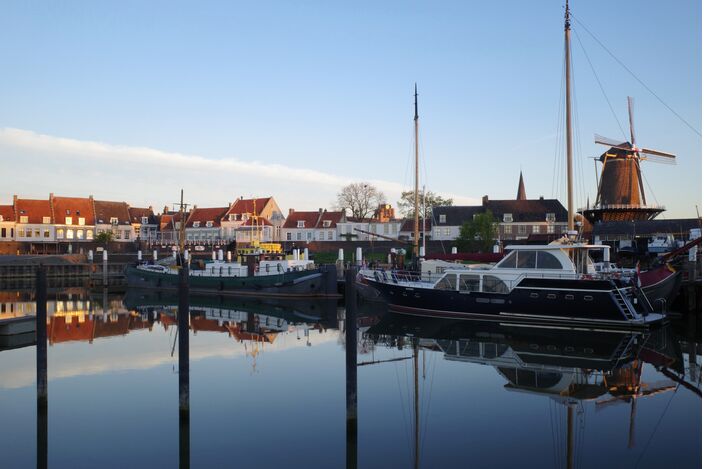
[{"x": 75, "y": 219}]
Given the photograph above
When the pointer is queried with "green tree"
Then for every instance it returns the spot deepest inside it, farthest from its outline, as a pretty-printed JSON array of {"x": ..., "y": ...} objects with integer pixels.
[
  {"x": 478, "y": 234},
  {"x": 406, "y": 204},
  {"x": 104, "y": 238}
]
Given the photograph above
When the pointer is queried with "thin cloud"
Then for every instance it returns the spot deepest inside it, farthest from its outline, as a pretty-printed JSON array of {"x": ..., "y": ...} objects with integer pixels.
[{"x": 109, "y": 153}]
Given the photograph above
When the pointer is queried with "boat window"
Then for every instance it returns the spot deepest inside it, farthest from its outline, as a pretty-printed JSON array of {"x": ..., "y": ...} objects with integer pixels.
[
  {"x": 446, "y": 283},
  {"x": 494, "y": 284},
  {"x": 547, "y": 260},
  {"x": 526, "y": 260},
  {"x": 508, "y": 262},
  {"x": 469, "y": 282}
]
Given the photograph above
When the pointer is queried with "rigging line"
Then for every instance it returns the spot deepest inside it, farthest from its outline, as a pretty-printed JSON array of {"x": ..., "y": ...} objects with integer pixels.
[
  {"x": 427, "y": 406},
  {"x": 559, "y": 134},
  {"x": 657, "y": 425},
  {"x": 636, "y": 77},
  {"x": 642, "y": 175},
  {"x": 577, "y": 139},
  {"x": 401, "y": 401},
  {"x": 601, "y": 87}
]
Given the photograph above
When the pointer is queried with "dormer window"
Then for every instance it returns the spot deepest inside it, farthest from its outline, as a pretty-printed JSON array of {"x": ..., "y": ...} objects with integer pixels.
[
  {"x": 209, "y": 224},
  {"x": 301, "y": 224},
  {"x": 113, "y": 220},
  {"x": 326, "y": 223},
  {"x": 145, "y": 220},
  {"x": 46, "y": 220},
  {"x": 82, "y": 221},
  {"x": 69, "y": 220},
  {"x": 232, "y": 217},
  {"x": 24, "y": 219},
  {"x": 550, "y": 217},
  {"x": 508, "y": 218},
  {"x": 68, "y": 212},
  {"x": 443, "y": 218},
  {"x": 196, "y": 224}
]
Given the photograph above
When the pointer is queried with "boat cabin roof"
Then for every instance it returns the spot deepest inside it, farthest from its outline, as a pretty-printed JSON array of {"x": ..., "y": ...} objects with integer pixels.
[{"x": 556, "y": 246}]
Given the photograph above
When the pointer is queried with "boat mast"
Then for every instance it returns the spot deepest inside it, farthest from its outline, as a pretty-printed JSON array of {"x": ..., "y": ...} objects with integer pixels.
[
  {"x": 182, "y": 231},
  {"x": 568, "y": 118},
  {"x": 416, "y": 458},
  {"x": 416, "y": 233}
]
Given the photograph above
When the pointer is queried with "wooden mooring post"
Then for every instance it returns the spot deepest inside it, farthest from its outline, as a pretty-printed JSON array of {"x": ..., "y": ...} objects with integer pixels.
[
  {"x": 42, "y": 380},
  {"x": 351, "y": 364},
  {"x": 183, "y": 369}
]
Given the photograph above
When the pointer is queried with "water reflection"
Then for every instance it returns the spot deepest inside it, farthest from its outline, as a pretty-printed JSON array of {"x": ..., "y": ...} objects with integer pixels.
[
  {"x": 95, "y": 337},
  {"x": 570, "y": 367}
]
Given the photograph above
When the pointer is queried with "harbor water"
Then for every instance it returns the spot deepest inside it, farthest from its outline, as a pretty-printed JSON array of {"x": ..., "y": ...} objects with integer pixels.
[{"x": 269, "y": 384}]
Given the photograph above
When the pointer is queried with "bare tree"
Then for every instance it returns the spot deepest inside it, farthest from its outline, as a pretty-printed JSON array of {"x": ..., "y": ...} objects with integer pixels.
[{"x": 359, "y": 199}]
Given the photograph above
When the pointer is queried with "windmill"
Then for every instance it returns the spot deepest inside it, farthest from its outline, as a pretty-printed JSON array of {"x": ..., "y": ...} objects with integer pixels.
[{"x": 620, "y": 195}]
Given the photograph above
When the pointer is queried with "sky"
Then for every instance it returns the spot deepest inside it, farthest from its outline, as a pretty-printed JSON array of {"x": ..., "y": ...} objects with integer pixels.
[{"x": 135, "y": 100}]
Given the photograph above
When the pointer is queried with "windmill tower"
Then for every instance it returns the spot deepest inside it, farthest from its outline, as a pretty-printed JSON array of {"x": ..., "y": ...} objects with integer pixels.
[{"x": 620, "y": 195}]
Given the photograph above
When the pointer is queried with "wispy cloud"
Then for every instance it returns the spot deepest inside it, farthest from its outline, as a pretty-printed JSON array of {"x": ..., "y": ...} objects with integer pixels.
[{"x": 269, "y": 174}]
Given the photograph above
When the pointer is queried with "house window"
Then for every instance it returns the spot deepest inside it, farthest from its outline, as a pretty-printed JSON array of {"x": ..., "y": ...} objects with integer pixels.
[
  {"x": 69, "y": 234},
  {"x": 69, "y": 220},
  {"x": 20, "y": 232},
  {"x": 521, "y": 229},
  {"x": 447, "y": 231},
  {"x": 127, "y": 234},
  {"x": 209, "y": 224},
  {"x": 196, "y": 224},
  {"x": 118, "y": 234},
  {"x": 508, "y": 218},
  {"x": 536, "y": 229},
  {"x": 437, "y": 232},
  {"x": 330, "y": 235},
  {"x": 309, "y": 235},
  {"x": 299, "y": 236},
  {"x": 301, "y": 224},
  {"x": 508, "y": 229},
  {"x": 232, "y": 217},
  {"x": 550, "y": 217},
  {"x": 46, "y": 233},
  {"x": 29, "y": 232},
  {"x": 79, "y": 234},
  {"x": 551, "y": 229},
  {"x": 46, "y": 220},
  {"x": 81, "y": 221},
  {"x": 288, "y": 236},
  {"x": 59, "y": 233},
  {"x": 24, "y": 219},
  {"x": 3, "y": 232},
  {"x": 321, "y": 236},
  {"x": 37, "y": 233},
  {"x": 145, "y": 220},
  {"x": 326, "y": 223},
  {"x": 443, "y": 218}
]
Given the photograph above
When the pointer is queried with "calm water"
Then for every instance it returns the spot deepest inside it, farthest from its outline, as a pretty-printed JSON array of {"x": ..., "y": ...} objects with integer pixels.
[{"x": 268, "y": 389}]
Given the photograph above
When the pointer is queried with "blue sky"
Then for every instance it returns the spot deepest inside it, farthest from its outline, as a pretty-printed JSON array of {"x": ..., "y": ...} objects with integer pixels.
[{"x": 134, "y": 100}]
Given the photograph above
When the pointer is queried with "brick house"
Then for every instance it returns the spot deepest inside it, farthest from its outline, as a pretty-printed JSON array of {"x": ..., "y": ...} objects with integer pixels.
[
  {"x": 34, "y": 222},
  {"x": 74, "y": 218},
  {"x": 203, "y": 225},
  {"x": 312, "y": 226},
  {"x": 241, "y": 210},
  {"x": 113, "y": 217},
  {"x": 144, "y": 223},
  {"x": 7, "y": 223}
]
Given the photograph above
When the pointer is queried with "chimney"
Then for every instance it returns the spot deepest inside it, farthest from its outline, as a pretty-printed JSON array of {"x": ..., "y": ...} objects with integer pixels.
[
  {"x": 320, "y": 210},
  {"x": 290, "y": 212},
  {"x": 485, "y": 200},
  {"x": 166, "y": 208},
  {"x": 541, "y": 197}
]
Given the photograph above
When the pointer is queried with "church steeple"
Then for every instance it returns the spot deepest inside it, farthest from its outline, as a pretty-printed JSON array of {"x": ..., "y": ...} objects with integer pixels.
[{"x": 521, "y": 189}]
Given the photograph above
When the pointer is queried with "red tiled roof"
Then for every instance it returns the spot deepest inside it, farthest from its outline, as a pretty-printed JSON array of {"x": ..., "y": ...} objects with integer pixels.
[
  {"x": 7, "y": 212},
  {"x": 259, "y": 221},
  {"x": 201, "y": 323},
  {"x": 36, "y": 210},
  {"x": 310, "y": 219},
  {"x": 333, "y": 217},
  {"x": 67, "y": 329},
  {"x": 105, "y": 210},
  {"x": 73, "y": 207},
  {"x": 248, "y": 205},
  {"x": 136, "y": 214},
  {"x": 206, "y": 214},
  {"x": 112, "y": 328}
]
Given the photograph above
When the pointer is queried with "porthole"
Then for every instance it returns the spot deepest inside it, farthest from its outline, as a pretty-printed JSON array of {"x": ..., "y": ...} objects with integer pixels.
[
  {"x": 551, "y": 296},
  {"x": 569, "y": 297},
  {"x": 534, "y": 295},
  {"x": 588, "y": 297}
]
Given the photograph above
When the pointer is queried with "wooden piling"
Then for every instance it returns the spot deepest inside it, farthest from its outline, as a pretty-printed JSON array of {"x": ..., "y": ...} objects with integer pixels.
[
  {"x": 351, "y": 364},
  {"x": 183, "y": 368},
  {"x": 42, "y": 380}
]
